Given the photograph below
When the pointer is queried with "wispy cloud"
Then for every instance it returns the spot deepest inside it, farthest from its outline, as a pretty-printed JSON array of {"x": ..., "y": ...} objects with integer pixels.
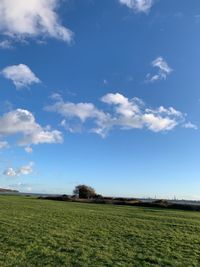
[
  {"x": 190, "y": 125},
  {"x": 28, "y": 149},
  {"x": 123, "y": 113},
  {"x": 3, "y": 144},
  {"x": 163, "y": 68},
  {"x": 21, "y": 75},
  {"x": 6, "y": 44},
  {"x": 24, "y": 187},
  {"x": 138, "y": 5}
]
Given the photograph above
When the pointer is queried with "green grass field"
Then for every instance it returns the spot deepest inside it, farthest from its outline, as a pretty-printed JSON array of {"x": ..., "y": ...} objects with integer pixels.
[{"x": 47, "y": 233}]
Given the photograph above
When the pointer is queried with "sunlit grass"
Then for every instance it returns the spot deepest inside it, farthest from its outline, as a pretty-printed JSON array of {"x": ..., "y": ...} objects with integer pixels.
[{"x": 48, "y": 233}]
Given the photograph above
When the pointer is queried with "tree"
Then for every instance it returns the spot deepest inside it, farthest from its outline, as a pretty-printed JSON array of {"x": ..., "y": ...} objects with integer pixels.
[{"x": 84, "y": 191}]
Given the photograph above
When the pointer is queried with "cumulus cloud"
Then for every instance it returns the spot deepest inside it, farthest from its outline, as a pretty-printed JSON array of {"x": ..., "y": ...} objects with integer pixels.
[
  {"x": 23, "y": 170},
  {"x": 132, "y": 113},
  {"x": 21, "y": 75},
  {"x": 83, "y": 111},
  {"x": 124, "y": 113},
  {"x": 21, "y": 19},
  {"x": 22, "y": 122},
  {"x": 138, "y": 5},
  {"x": 159, "y": 123},
  {"x": 26, "y": 169},
  {"x": 122, "y": 104},
  {"x": 163, "y": 70}
]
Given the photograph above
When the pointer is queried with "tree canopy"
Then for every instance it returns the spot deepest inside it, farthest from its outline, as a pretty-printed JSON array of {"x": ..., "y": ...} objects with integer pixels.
[{"x": 84, "y": 191}]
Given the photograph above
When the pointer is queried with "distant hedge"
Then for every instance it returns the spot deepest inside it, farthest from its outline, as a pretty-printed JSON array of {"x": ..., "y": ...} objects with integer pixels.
[{"x": 126, "y": 201}]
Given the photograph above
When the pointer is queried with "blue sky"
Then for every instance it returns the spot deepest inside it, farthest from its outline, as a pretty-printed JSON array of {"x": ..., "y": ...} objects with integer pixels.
[{"x": 104, "y": 93}]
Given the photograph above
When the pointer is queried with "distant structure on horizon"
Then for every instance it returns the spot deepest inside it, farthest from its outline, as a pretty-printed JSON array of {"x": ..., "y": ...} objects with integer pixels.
[{"x": 5, "y": 190}]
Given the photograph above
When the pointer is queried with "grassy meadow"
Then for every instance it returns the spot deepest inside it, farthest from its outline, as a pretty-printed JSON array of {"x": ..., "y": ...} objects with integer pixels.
[{"x": 37, "y": 232}]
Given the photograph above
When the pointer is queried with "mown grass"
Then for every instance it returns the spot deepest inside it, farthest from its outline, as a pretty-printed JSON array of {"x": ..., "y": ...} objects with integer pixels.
[{"x": 48, "y": 233}]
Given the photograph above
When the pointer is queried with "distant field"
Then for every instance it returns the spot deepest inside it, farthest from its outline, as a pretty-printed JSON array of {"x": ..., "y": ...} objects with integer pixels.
[{"x": 47, "y": 233}]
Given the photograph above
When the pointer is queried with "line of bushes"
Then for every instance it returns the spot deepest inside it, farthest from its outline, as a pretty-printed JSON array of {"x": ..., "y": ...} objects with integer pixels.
[
  {"x": 169, "y": 205},
  {"x": 102, "y": 200},
  {"x": 126, "y": 201},
  {"x": 86, "y": 194}
]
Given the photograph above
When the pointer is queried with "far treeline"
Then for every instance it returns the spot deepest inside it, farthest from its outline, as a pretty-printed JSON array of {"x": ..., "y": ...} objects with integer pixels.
[
  {"x": 87, "y": 194},
  {"x": 5, "y": 190}
]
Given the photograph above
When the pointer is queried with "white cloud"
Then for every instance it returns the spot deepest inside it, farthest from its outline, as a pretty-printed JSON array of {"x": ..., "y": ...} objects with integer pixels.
[
  {"x": 28, "y": 149},
  {"x": 55, "y": 96},
  {"x": 10, "y": 172},
  {"x": 138, "y": 5},
  {"x": 162, "y": 65},
  {"x": 165, "y": 111},
  {"x": 22, "y": 122},
  {"x": 133, "y": 114},
  {"x": 3, "y": 144},
  {"x": 158, "y": 123},
  {"x": 163, "y": 70},
  {"x": 122, "y": 103},
  {"x": 22, "y": 19},
  {"x": 23, "y": 170},
  {"x": 26, "y": 169},
  {"x": 124, "y": 113},
  {"x": 41, "y": 136},
  {"x": 6, "y": 44},
  {"x": 190, "y": 125},
  {"x": 21, "y": 75},
  {"x": 83, "y": 111}
]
